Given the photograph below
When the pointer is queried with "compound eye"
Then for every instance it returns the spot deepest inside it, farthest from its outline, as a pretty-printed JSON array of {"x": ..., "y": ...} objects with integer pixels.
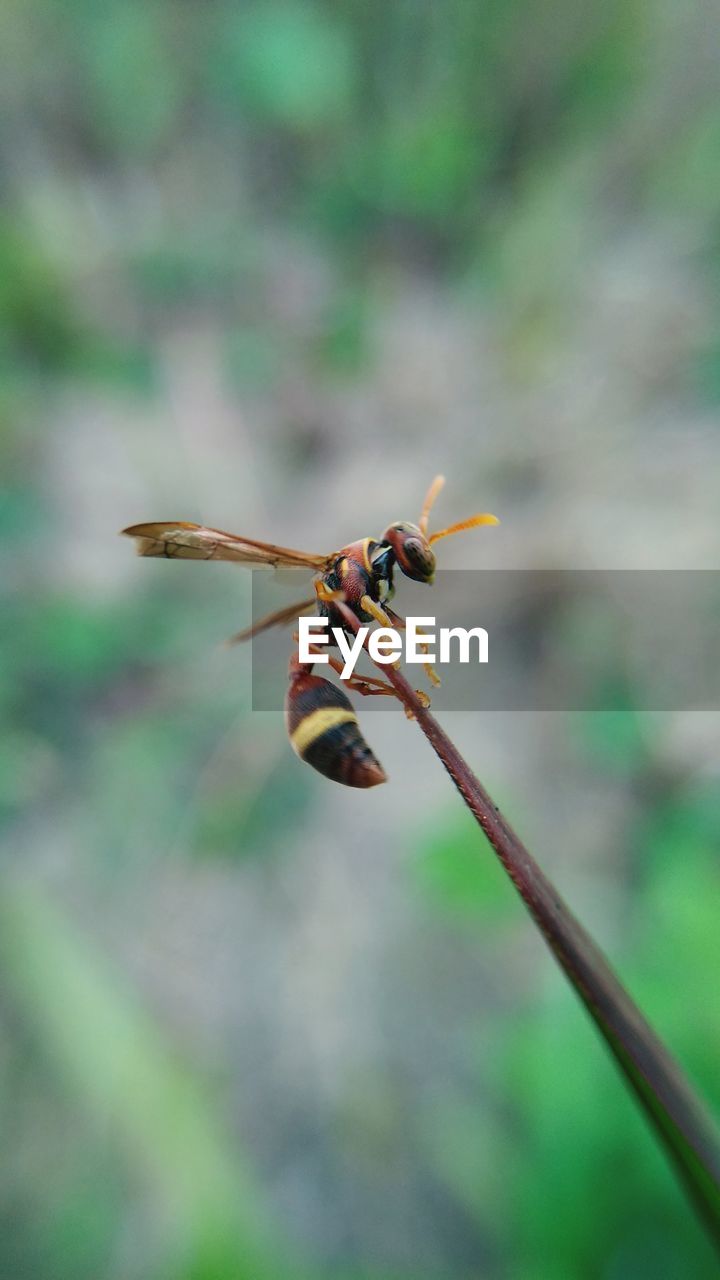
[
  {"x": 415, "y": 551},
  {"x": 419, "y": 557}
]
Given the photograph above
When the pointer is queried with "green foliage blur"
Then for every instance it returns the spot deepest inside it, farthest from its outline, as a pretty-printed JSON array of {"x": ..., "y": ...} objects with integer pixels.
[{"x": 251, "y": 1028}]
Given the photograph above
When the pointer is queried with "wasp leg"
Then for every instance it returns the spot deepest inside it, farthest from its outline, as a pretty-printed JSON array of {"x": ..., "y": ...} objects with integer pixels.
[
  {"x": 366, "y": 685},
  {"x": 430, "y": 671},
  {"x": 373, "y": 686},
  {"x": 369, "y": 686},
  {"x": 362, "y": 683},
  {"x": 325, "y": 594},
  {"x": 377, "y": 612}
]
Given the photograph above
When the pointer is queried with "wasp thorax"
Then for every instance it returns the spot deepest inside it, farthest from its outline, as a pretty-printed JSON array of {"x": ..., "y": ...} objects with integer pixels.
[{"x": 413, "y": 552}]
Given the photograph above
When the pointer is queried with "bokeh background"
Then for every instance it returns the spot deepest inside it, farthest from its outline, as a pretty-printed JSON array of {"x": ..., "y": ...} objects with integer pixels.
[{"x": 271, "y": 265}]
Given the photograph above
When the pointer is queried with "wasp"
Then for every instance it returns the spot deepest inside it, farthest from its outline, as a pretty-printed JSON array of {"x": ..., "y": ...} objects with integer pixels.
[{"x": 320, "y": 720}]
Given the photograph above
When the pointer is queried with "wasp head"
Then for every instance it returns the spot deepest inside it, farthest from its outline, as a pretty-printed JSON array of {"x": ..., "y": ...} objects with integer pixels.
[{"x": 413, "y": 552}]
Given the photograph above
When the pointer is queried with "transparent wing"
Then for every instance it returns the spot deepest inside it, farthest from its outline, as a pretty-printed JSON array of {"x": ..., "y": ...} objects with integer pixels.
[
  {"x": 280, "y": 618},
  {"x": 179, "y": 540}
]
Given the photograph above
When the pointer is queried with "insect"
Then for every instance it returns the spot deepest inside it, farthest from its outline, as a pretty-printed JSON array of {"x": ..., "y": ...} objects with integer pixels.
[{"x": 321, "y": 723}]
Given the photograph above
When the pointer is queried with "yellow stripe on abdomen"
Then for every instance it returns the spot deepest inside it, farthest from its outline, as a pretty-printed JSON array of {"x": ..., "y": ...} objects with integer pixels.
[{"x": 316, "y": 723}]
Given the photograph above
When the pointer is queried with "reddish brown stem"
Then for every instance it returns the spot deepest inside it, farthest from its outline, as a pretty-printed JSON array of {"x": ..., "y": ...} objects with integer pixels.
[{"x": 686, "y": 1130}]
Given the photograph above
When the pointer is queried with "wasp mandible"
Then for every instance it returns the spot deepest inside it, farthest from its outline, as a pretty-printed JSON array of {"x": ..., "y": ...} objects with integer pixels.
[{"x": 321, "y": 723}]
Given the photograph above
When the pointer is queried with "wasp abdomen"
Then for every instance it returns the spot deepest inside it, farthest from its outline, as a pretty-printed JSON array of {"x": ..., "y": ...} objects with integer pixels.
[{"x": 325, "y": 733}]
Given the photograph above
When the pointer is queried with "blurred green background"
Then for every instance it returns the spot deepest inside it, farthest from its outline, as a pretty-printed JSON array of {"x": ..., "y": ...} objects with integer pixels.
[{"x": 271, "y": 266}]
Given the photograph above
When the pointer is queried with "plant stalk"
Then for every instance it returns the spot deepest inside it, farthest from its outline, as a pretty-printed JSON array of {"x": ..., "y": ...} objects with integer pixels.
[{"x": 682, "y": 1123}]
